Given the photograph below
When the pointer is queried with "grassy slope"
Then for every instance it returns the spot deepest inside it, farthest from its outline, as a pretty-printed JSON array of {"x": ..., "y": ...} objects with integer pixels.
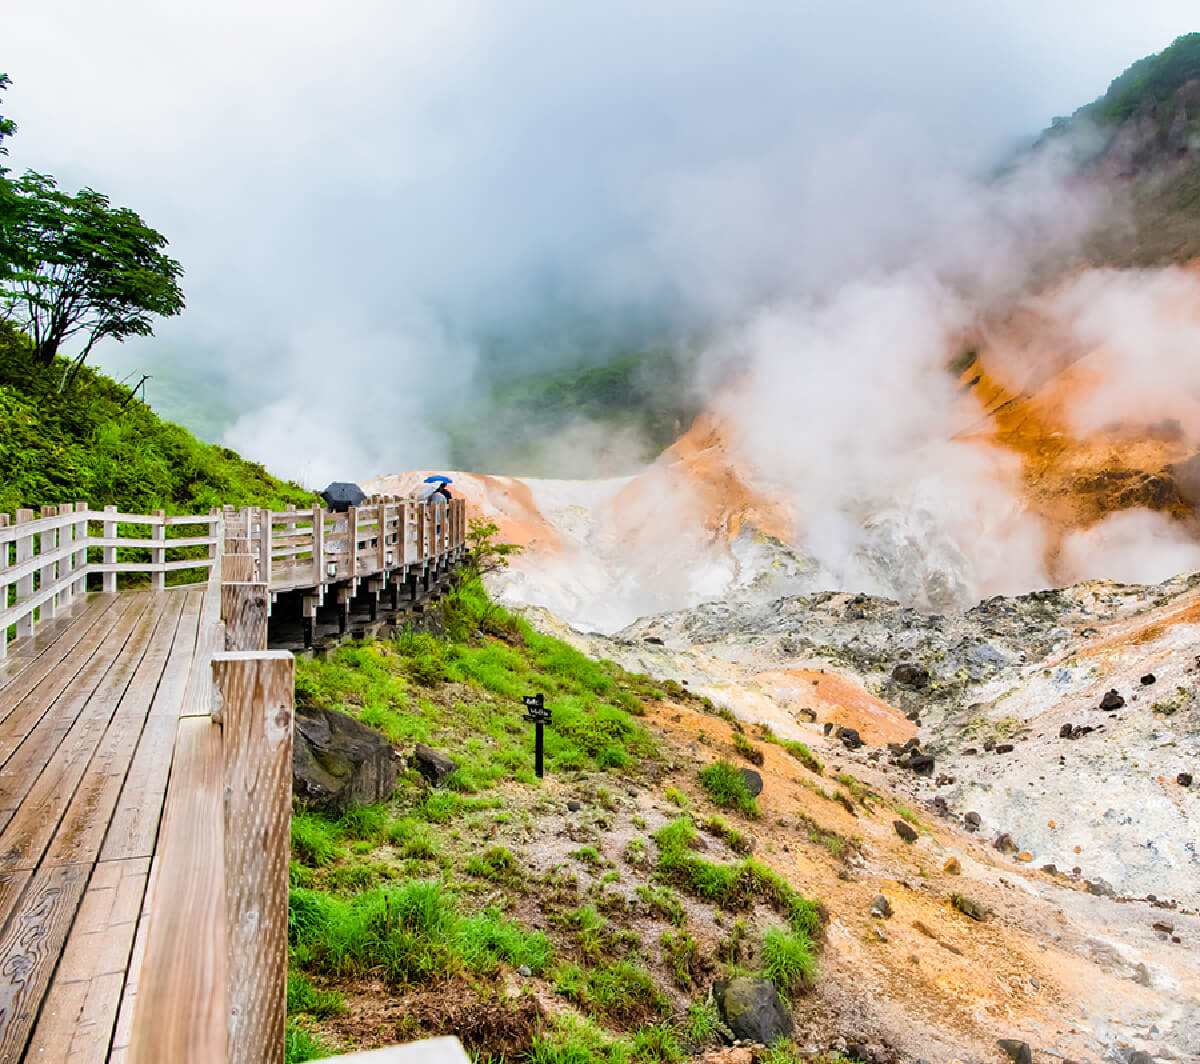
[
  {"x": 412, "y": 918},
  {"x": 92, "y": 443}
]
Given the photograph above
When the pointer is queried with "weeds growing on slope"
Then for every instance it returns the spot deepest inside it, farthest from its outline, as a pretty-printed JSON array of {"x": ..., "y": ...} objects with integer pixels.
[{"x": 726, "y": 786}]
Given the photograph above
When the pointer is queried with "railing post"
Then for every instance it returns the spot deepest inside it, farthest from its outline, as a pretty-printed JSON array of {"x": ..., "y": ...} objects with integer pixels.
[
  {"x": 264, "y": 548},
  {"x": 352, "y": 540},
  {"x": 110, "y": 553},
  {"x": 318, "y": 546},
  {"x": 3, "y": 588},
  {"x": 215, "y": 523},
  {"x": 256, "y": 692},
  {"x": 24, "y": 551},
  {"x": 158, "y": 555},
  {"x": 79, "y": 559},
  {"x": 244, "y": 609},
  {"x": 66, "y": 534},
  {"x": 48, "y": 574}
]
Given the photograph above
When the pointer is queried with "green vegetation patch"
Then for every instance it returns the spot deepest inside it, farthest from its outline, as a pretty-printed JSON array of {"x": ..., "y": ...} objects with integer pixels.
[{"x": 726, "y": 786}]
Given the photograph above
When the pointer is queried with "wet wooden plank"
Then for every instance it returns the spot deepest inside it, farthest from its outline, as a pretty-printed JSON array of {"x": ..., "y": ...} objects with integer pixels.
[
  {"x": 30, "y": 947},
  {"x": 179, "y": 1012},
  {"x": 135, "y": 822},
  {"x": 47, "y": 670},
  {"x": 41, "y": 799},
  {"x": 54, "y": 637},
  {"x": 124, "y": 1026},
  {"x": 83, "y": 826},
  {"x": 79, "y": 1013},
  {"x": 43, "y": 708}
]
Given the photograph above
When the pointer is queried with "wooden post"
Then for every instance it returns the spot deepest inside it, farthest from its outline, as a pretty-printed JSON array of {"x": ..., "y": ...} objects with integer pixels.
[
  {"x": 402, "y": 535},
  {"x": 214, "y": 531},
  {"x": 66, "y": 534},
  {"x": 352, "y": 541},
  {"x": 110, "y": 553},
  {"x": 48, "y": 574},
  {"x": 381, "y": 541},
  {"x": 256, "y": 692},
  {"x": 25, "y": 583},
  {"x": 158, "y": 555},
  {"x": 239, "y": 569},
  {"x": 80, "y": 557},
  {"x": 264, "y": 549},
  {"x": 3, "y": 588},
  {"x": 420, "y": 532},
  {"x": 318, "y": 548},
  {"x": 244, "y": 609}
]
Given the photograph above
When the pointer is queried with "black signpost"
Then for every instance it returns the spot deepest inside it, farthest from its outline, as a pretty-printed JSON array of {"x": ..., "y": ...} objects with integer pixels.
[{"x": 538, "y": 715}]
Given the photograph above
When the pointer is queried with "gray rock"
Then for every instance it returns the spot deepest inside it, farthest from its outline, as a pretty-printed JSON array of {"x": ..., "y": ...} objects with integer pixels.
[
  {"x": 1112, "y": 700},
  {"x": 573, "y": 806},
  {"x": 972, "y": 821},
  {"x": 850, "y": 738},
  {"x": 435, "y": 767},
  {"x": 338, "y": 762},
  {"x": 1004, "y": 843},
  {"x": 752, "y": 1009},
  {"x": 525, "y": 971},
  {"x": 911, "y": 675},
  {"x": 754, "y": 782},
  {"x": 1017, "y": 1051},
  {"x": 881, "y": 907}
]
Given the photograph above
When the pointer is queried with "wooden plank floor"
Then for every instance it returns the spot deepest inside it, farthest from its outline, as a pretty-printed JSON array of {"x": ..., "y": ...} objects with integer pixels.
[{"x": 89, "y": 710}]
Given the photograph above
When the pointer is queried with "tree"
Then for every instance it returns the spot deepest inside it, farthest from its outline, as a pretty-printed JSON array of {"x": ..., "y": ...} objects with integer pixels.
[{"x": 82, "y": 268}]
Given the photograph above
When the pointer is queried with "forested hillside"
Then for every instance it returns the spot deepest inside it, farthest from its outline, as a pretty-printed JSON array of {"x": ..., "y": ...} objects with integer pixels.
[{"x": 93, "y": 441}]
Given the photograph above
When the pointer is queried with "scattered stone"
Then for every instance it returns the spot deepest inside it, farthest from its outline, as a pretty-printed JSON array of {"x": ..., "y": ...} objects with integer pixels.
[
  {"x": 654, "y": 641},
  {"x": 1077, "y": 731},
  {"x": 970, "y": 751},
  {"x": 1004, "y": 843},
  {"x": 904, "y": 830},
  {"x": 752, "y": 1009},
  {"x": 574, "y": 805},
  {"x": 1164, "y": 927},
  {"x": 940, "y": 805},
  {"x": 1100, "y": 888},
  {"x": 989, "y": 745},
  {"x": 1025, "y": 856},
  {"x": 828, "y": 727},
  {"x": 338, "y": 762},
  {"x": 881, "y": 907},
  {"x": 809, "y": 716},
  {"x": 850, "y": 738},
  {"x": 1017, "y": 1051},
  {"x": 1004, "y": 748},
  {"x": 911, "y": 675},
  {"x": 1148, "y": 679},
  {"x": 754, "y": 782},
  {"x": 1184, "y": 779},
  {"x": 1050, "y": 869},
  {"x": 1139, "y": 1056},
  {"x": 1065, "y": 731},
  {"x": 973, "y": 821},
  {"x": 952, "y": 867},
  {"x": 434, "y": 766},
  {"x": 921, "y": 764},
  {"x": 524, "y": 971},
  {"x": 1112, "y": 700},
  {"x": 1141, "y": 974},
  {"x": 969, "y": 907}
]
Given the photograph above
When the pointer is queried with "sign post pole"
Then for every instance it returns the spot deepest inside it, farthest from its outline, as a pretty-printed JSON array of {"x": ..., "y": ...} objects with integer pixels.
[{"x": 538, "y": 715}]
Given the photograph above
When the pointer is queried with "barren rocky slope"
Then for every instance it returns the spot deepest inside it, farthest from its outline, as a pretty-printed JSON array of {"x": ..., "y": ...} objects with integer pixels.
[{"x": 1081, "y": 827}]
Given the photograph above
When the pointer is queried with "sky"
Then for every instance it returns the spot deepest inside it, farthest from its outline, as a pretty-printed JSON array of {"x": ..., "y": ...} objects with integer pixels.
[{"x": 359, "y": 192}]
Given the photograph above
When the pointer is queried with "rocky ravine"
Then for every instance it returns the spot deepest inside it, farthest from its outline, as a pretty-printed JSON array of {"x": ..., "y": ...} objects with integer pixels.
[{"x": 1082, "y": 818}]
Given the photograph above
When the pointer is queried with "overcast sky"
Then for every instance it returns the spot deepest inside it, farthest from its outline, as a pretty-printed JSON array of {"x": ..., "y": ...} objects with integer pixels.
[{"x": 356, "y": 190}]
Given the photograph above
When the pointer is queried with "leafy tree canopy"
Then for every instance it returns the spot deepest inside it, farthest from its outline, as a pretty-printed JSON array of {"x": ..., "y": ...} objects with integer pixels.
[{"x": 75, "y": 268}]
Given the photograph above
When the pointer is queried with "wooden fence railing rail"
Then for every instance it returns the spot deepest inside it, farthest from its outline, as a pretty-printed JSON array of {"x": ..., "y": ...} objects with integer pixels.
[{"x": 45, "y": 558}]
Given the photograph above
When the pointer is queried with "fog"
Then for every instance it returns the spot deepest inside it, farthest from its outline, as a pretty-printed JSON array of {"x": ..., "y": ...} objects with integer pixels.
[{"x": 359, "y": 192}]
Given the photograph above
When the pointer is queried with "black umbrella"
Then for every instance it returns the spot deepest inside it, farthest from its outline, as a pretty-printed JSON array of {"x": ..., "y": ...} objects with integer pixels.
[{"x": 341, "y": 495}]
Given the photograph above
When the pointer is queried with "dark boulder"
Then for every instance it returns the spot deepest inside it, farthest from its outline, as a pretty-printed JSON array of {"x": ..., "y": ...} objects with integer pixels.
[
  {"x": 1004, "y": 843},
  {"x": 911, "y": 675},
  {"x": 1017, "y": 1051},
  {"x": 1184, "y": 779},
  {"x": 433, "y": 766},
  {"x": 1112, "y": 700},
  {"x": 1148, "y": 679},
  {"x": 752, "y": 1009},
  {"x": 972, "y": 821},
  {"x": 850, "y": 738},
  {"x": 754, "y": 782},
  {"x": 339, "y": 763},
  {"x": 904, "y": 830}
]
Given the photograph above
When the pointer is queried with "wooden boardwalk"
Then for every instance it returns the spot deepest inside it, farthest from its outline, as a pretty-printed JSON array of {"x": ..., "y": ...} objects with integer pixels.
[
  {"x": 88, "y": 715},
  {"x": 145, "y": 769}
]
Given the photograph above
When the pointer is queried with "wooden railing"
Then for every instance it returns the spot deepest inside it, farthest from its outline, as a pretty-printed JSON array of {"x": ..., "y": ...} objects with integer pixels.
[{"x": 45, "y": 559}]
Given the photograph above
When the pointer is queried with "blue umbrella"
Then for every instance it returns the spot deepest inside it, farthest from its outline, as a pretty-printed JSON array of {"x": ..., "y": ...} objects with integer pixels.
[{"x": 437, "y": 479}]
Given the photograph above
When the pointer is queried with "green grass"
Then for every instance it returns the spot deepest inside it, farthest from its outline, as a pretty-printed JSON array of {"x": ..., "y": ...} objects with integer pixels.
[
  {"x": 734, "y": 886},
  {"x": 747, "y": 749},
  {"x": 314, "y": 839},
  {"x": 726, "y": 786},
  {"x": 730, "y": 835},
  {"x": 302, "y": 996},
  {"x": 789, "y": 959},
  {"x": 409, "y": 935},
  {"x": 301, "y": 1044},
  {"x": 802, "y": 754}
]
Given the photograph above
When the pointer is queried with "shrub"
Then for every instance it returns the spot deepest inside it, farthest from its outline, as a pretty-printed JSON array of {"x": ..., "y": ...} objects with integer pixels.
[
  {"x": 747, "y": 749},
  {"x": 300, "y": 1044},
  {"x": 726, "y": 786},
  {"x": 625, "y": 993},
  {"x": 302, "y": 996},
  {"x": 789, "y": 959}
]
